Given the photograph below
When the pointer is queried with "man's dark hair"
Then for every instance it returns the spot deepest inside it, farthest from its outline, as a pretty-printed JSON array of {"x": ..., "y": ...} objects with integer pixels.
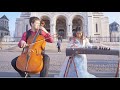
[{"x": 33, "y": 19}]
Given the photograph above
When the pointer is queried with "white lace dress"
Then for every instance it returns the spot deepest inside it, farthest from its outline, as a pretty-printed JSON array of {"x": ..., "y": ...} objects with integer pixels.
[{"x": 80, "y": 61}]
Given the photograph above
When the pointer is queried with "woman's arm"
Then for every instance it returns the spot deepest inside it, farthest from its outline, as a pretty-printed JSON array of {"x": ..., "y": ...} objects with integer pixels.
[
  {"x": 87, "y": 43},
  {"x": 72, "y": 43},
  {"x": 47, "y": 35}
]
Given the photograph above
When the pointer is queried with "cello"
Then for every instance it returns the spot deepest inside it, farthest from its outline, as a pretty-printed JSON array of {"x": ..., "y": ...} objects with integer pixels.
[{"x": 31, "y": 58}]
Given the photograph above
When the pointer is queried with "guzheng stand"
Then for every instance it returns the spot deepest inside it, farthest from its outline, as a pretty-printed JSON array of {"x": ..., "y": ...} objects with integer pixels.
[{"x": 71, "y": 52}]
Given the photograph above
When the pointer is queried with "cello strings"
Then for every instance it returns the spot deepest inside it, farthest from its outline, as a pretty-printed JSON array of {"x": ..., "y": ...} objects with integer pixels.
[{"x": 40, "y": 40}]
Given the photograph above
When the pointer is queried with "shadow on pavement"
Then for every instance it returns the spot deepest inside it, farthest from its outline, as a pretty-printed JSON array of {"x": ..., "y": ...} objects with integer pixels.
[
  {"x": 13, "y": 75},
  {"x": 9, "y": 74},
  {"x": 16, "y": 75}
]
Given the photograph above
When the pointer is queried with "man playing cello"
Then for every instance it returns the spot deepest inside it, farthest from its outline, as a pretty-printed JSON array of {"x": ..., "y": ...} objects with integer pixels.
[{"x": 35, "y": 26}]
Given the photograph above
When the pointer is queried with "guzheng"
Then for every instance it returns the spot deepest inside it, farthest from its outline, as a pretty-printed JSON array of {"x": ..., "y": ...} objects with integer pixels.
[{"x": 103, "y": 51}]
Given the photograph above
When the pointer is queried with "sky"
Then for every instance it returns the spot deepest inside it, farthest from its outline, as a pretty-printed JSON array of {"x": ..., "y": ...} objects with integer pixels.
[{"x": 113, "y": 16}]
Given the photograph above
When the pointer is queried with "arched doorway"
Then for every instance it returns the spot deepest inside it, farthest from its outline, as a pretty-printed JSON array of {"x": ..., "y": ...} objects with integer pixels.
[
  {"x": 77, "y": 22},
  {"x": 61, "y": 26},
  {"x": 46, "y": 19}
]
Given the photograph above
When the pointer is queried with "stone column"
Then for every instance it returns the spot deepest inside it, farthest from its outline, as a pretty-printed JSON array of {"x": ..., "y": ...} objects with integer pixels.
[
  {"x": 84, "y": 28},
  {"x": 69, "y": 30},
  {"x": 90, "y": 26},
  {"x": 52, "y": 28}
]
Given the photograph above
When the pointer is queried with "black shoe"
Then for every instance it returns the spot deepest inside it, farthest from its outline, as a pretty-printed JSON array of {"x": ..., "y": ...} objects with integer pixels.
[{"x": 27, "y": 75}]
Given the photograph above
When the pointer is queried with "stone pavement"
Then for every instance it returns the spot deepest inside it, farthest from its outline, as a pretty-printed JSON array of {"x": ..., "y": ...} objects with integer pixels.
[
  {"x": 99, "y": 65},
  {"x": 6, "y": 69}
]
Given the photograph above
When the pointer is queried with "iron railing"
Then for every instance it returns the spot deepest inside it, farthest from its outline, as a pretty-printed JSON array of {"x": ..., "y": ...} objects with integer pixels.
[{"x": 103, "y": 39}]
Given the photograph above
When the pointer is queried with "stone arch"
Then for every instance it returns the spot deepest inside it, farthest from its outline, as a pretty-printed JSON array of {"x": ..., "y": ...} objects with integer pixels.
[
  {"x": 77, "y": 21},
  {"x": 47, "y": 22},
  {"x": 61, "y": 26}
]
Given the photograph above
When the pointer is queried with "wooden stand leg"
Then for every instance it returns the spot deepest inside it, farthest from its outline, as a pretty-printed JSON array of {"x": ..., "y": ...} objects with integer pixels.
[
  {"x": 75, "y": 68},
  {"x": 67, "y": 67},
  {"x": 71, "y": 59}
]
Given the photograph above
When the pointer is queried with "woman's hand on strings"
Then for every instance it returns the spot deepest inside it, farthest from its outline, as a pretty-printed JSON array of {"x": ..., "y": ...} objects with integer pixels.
[{"x": 74, "y": 46}]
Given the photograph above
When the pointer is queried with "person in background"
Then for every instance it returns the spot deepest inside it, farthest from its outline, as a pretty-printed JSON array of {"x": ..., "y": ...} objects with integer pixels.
[
  {"x": 59, "y": 45},
  {"x": 60, "y": 37}
]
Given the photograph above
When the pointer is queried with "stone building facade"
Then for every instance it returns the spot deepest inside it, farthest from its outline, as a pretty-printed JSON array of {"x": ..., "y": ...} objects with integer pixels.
[
  {"x": 114, "y": 32},
  {"x": 4, "y": 26},
  {"x": 93, "y": 24}
]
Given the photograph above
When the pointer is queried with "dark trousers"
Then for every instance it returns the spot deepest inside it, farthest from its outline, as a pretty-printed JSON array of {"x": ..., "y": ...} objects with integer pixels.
[
  {"x": 43, "y": 73},
  {"x": 59, "y": 50}
]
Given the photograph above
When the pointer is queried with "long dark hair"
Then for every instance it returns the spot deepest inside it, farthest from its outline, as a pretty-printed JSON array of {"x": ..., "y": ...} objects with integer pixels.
[{"x": 78, "y": 29}]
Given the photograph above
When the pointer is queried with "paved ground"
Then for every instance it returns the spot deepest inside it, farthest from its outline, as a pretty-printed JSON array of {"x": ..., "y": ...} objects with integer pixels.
[{"x": 99, "y": 65}]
